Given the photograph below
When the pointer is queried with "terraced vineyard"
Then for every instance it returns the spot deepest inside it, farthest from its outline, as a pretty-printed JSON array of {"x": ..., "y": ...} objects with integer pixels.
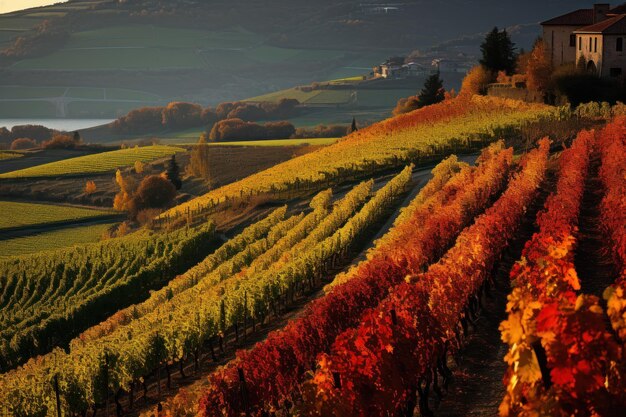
[
  {"x": 10, "y": 155},
  {"x": 281, "y": 318},
  {"x": 463, "y": 123},
  {"x": 44, "y": 241},
  {"x": 95, "y": 163},
  {"x": 73, "y": 289},
  {"x": 17, "y": 214}
]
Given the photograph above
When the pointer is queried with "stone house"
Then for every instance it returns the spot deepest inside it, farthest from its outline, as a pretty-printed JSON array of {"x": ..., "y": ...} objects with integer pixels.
[
  {"x": 600, "y": 47},
  {"x": 594, "y": 36}
]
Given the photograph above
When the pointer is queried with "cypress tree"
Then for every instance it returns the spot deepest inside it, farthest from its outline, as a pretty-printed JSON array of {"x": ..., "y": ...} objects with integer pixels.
[
  {"x": 354, "y": 127},
  {"x": 432, "y": 92},
  {"x": 173, "y": 173}
]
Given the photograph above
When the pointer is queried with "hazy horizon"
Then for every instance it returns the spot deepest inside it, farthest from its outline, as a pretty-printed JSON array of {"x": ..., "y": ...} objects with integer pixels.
[{"x": 7, "y": 6}]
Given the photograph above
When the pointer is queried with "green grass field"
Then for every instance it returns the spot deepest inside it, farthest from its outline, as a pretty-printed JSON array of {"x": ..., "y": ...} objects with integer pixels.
[
  {"x": 55, "y": 239},
  {"x": 15, "y": 214},
  {"x": 95, "y": 163}
]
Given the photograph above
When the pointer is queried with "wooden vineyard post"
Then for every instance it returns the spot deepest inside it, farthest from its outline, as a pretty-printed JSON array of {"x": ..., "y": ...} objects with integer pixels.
[
  {"x": 56, "y": 394},
  {"x": 243, "y": 390}
]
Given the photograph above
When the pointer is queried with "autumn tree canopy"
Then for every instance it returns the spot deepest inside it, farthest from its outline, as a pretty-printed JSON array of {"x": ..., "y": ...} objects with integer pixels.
[{"x": 538, "y": 68}]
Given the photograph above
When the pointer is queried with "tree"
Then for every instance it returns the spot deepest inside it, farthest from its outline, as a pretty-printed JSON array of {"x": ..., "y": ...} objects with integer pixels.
[
  {"x": 498, "y": 52},
  {"x": 122, "y": 199},
  {"x": 154, "y": 192},
  {"x": 199, "y": 162},
  {"x": 432, "y": 92},
  {"x": 354, "y": 127},
  {"x": 178, "y": 115},
  {"x": 538, "y": 69},
  {"x": 23, "y": 143},
  {"x": 173, "y": 173},
  {"x": 77, "y": 138},
  {"x": 476, "y": 81}
]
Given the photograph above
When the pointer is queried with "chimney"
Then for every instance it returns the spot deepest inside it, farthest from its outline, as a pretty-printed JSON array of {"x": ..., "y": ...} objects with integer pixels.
[{"x": 600, "y": 10}]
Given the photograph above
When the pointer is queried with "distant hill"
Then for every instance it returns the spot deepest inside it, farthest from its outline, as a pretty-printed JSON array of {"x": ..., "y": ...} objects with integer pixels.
[{"x": 100, "y": 58}]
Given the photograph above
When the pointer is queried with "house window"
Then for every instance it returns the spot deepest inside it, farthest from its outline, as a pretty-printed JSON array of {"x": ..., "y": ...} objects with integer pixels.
[
  {"x": 595, "y": 44},
  {"x": 615, "y": 72},
  {"x": 590, "y": 44},
  {"x": 580, "y": 43},
  {"x": 619, "y": 46},
  {"x": 572, "y": 40}
]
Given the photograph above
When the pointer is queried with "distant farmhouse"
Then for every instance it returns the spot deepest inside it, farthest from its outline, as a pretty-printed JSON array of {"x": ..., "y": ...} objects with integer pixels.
[
  {"x": 590, "y": 37},
  {"x": 397, "y": 68}
]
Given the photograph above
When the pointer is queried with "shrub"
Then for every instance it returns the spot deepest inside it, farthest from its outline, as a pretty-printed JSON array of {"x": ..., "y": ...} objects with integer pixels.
[
  {"x": 23, "y": 143},
  {"x": 139, "y": 167},
  {"x": 62, "y": 142},
  {"x": 582, "y": 88},
  {"x": 406, "y": 105},
  {"x": 154, "y": 192},
  {"x": 90, "y": 187}
]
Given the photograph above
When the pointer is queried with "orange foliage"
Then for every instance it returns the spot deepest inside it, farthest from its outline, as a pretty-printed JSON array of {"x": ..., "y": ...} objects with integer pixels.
[
  {"x": 90, "y": 187},
  {"x": 538, "y": 68},
  {"x": 476, "y": 80}
]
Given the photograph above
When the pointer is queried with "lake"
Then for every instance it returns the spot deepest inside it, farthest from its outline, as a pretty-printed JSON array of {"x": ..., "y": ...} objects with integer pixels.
[{"x": 69, "y": 125}]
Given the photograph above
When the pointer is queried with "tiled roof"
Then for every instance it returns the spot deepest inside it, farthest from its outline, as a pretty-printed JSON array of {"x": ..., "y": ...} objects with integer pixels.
[
  {"x": 621, "y": 9},
  {"x": 613, "y": 26},
  {"x": 580, "y": 17}
]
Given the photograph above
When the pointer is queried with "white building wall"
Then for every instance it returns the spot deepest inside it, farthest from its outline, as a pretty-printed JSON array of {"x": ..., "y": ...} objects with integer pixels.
[
  {"x": 557, "y": 40},
  {"x": 590, "y": 47}
]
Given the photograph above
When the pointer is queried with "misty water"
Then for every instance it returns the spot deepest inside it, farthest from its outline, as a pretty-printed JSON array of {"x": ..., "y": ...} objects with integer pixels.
[{"x": 57, "y": 124}]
